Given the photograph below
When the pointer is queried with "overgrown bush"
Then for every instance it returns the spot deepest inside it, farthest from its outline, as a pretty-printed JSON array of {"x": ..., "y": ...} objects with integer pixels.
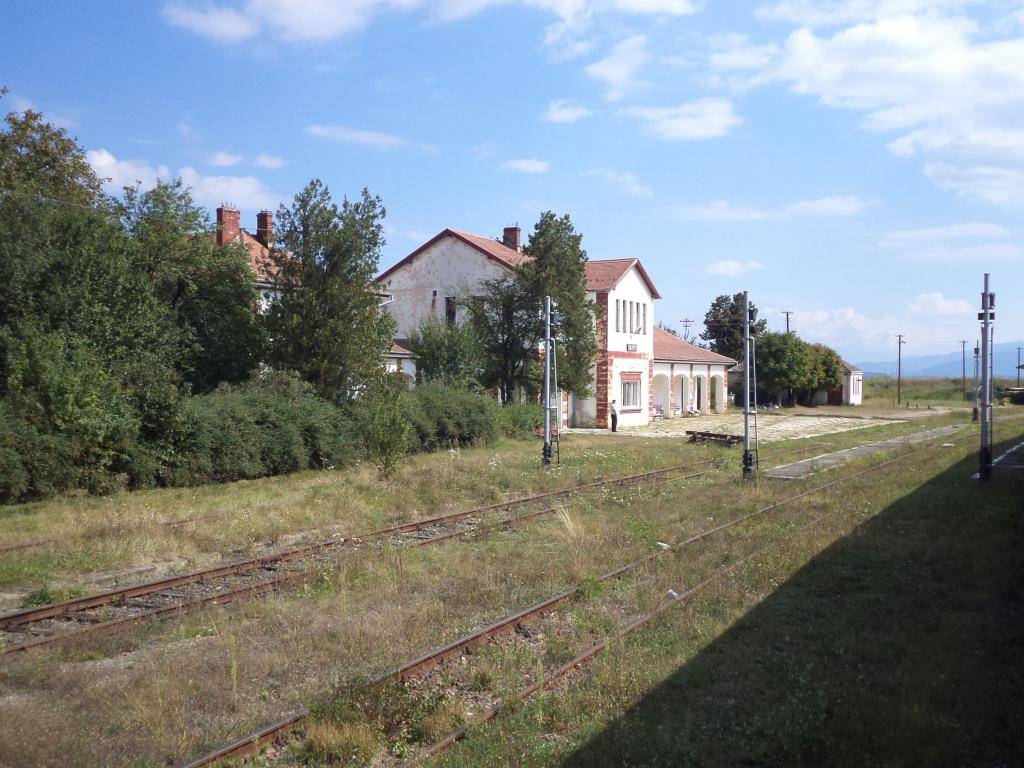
[
  {"x": 271, "y": 426},
  {"x": 457, "y": 417},
  {"x": 520, "y": 420},
  {"x": 383, "y": 423}
]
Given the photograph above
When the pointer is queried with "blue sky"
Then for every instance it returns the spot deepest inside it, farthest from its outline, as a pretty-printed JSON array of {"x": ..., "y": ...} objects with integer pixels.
[{"x": 860, "y": 163}]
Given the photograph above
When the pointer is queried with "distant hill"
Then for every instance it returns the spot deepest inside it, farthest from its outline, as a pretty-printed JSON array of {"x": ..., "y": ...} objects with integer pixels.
[{"x": 948, "y": 364}]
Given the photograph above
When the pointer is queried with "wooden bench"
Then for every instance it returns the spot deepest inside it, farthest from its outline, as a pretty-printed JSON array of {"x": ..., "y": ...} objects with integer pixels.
[{"x": 713, "y": 437}]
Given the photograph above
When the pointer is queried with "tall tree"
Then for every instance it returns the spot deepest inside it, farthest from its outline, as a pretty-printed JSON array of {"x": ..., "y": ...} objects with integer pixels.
[
  {"x": 782, "y": 363},
  {"x": 40, "y": 161},
  {"x": 207, "y": 288},
  {"x": 558, "y": 269},
  {"x": 504, "y": 315},
  {"x": 326, "y": 324},
  {"x": 723, "y": 326},
  {"x": 447, "y": 354}
]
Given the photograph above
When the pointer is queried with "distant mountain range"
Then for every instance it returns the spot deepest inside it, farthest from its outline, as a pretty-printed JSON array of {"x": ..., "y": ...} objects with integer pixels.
[{"x": 949, "y": 364}]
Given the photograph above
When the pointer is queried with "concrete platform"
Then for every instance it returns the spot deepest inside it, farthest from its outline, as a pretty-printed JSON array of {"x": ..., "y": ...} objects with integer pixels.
[{"x": 800, "y": 470}]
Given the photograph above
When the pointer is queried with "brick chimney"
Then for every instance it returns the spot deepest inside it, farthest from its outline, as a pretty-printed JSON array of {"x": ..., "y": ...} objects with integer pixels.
[
  {"x": 228, "y": 225},
  {"x": 265, "y": 227},
  {"x": 512, "y": 237}
]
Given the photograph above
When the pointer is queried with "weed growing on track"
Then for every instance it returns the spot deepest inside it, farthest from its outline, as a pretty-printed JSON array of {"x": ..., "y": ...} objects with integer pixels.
[
  {"x": 174, "y": 700},
  {"x": 885, "y": 634},
  {"x": 124, "y": 530}
]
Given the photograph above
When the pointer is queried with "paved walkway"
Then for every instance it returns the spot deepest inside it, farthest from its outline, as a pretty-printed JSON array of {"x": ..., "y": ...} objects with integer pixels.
[
  {"x": 799, "y": 470},
  {"x": 772, "y": 426}
]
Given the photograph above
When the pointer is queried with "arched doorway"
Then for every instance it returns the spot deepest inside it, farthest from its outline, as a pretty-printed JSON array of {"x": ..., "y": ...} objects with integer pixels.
[
  {"x": 660, "y": 391},
  {"x": 718, "y": 394},
  {"x": 698, "y": 400},
  {"x": 683, "y": 393}
]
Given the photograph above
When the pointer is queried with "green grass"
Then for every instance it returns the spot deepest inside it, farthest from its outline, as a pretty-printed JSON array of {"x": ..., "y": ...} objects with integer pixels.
[
  {"x": 896, "y": 642},
  {"x": 881, "y": 390}
]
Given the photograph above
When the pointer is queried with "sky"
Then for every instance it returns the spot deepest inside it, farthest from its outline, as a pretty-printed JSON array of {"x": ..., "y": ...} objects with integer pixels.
[{"x": 859, "y": 163}]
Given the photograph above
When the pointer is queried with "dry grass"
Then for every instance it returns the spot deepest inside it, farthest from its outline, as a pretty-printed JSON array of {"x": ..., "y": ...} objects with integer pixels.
[{"x": 177, "y": 690}]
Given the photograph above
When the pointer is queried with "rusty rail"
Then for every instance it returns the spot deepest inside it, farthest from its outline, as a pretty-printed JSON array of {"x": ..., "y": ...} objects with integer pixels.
[
  {"x": 20, "y": 620},
  {"x": 252, "y": 744}
]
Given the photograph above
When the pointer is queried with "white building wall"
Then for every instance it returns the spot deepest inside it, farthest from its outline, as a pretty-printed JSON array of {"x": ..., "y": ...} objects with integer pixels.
[
  {"x": 853, "y": 388},
  {"x": 449, "y": 267},
  {"x": 631, "y": 291}
]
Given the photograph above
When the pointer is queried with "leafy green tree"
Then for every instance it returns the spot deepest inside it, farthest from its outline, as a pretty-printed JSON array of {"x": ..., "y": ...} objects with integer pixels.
[
  {"x": 447, "y": 354},
  {"x": 782, "y": 362},
  {"x": 558, "y": 269},
  {"x": 723, "y": 326},
  {"x": 326, "y": 324},
  {"x": 39, "y": 161},
  {"x": 207, "y": 288},
  {"x": 825, "y": 370},
  {"x": 505, "y": 318}
]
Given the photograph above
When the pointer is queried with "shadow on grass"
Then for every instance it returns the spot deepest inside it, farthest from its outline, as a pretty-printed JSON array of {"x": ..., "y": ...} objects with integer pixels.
[{"x": 901, "y": 644}]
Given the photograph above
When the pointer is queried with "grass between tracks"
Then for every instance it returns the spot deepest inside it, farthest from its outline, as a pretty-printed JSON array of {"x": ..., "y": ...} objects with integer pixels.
[
  {"x": 184, "y": 688},
  {"x": 889, "y": 634},
  {"x": 121, "y": 532}
]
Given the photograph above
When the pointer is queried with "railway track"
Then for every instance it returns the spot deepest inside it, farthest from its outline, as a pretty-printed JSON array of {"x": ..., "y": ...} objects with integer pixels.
[
  {"x": 117, "y": 609},
  {"x": 181, "y": 522},
  {"x": 277, "y": 731}
]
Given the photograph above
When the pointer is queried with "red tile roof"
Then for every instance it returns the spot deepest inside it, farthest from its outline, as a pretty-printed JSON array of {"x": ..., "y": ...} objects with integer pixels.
[
  {"x": 670, "y": 347},
  {"x": 489, "y": 247},
  {"x": 260, "y": 262},
  {"x": 399, "y": 348},
  {"x": 605, "y": 274}
]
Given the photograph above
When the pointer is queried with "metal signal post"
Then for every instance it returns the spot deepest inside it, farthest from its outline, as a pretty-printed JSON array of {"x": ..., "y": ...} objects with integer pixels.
[
  {"x": 987, "y": 317},
  {"x": 547, "y": 452},
  {"x": 748, "y": 456}
]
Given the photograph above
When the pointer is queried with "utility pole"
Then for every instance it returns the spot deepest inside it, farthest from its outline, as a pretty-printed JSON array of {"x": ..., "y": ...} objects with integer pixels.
[
  {"x": 748, "y": 457},
  {"x": 547, "y": 452},
  {"x": 977, "y": 358},
  {"x": 787, "y": 313},
  {"x": 1018, "y": 366},
  {"x": 686, "y": 323},
  {"x": 987, "y": 316},
  {"x": 963, "y": 355},
  {"x": 899, "y": 367}
]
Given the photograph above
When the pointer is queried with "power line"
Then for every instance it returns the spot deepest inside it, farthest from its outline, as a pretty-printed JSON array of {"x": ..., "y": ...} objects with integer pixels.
[{"x": 686, "y": 323}]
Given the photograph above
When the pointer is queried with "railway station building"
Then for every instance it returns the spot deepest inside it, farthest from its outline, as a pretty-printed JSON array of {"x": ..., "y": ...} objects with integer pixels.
[{"x": 647, "y": 371}]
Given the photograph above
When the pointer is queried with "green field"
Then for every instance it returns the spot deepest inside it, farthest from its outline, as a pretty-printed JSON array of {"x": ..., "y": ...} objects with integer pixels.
[{"x": 881, "y": 390}]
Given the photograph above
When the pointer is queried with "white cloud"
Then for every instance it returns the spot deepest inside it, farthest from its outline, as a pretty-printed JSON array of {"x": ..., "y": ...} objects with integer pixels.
[
  {"x": 298, "y": 21},
  {"x": 626, "y": 181},
  {"x": 665, "y": 7},
  {"x": 706, "y": 118},
  {"x": 264, "y": 160},
  {"x": 973, "y": 241},
  {"x": 732, "y": 268},
  {"x": 562, "y": 111},
  {"x": 994, "y": 184},
  {"x": 723, "y": 210},
  {"x": 526, "y": 165},
  {"x": 125, "y": 173},
  {"x": 737, "y": 53},
  {"x": 937, "y": 305},
  {"x": 344, "y": 133},
  {"x": 222, "y": 25},
  {"x": 826, "y": 13},
  {"x": 224, "y": 159},
  {"x": 618, "y": 71},
  {"x": 970, "y": 229},
  {"x": 947, "y": 88},
  {"x": 484, "y": 149},
  {"x": 242, "y": 191}
]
